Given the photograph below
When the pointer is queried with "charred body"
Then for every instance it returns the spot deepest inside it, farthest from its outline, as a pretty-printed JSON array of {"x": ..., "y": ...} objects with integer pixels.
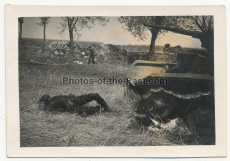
[{"x": 73, "y": 104}]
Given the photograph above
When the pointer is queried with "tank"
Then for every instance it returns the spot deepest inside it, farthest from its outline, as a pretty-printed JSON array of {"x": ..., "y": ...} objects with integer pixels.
[{"x": 184, "y": 89}]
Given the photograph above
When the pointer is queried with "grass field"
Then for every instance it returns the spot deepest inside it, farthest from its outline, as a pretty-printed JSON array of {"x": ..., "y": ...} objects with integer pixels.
[{"x": 117, "y": 128}]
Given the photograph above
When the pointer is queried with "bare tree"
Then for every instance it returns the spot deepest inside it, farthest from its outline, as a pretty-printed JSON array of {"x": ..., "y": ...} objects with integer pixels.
[
  {"x": 20, "y": 20},
  {"x": 202, "y": 23},
  {"x": 202, "y": 28},
  {"x": 206, "y": 25},
  {"x": 44, "y": 22},
  {"x": 76, "y": 24}
]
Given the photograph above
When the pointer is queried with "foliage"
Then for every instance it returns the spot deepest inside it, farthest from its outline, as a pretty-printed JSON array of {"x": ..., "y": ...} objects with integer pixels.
[
  {"x": 62, "y": 45},
  {"x": 196, "y": 23},
  {"x": 96, "y": 47},
  {"x": 114, "y": 48},
  {"x": 76, "y": 24},
  {"x": 193, "y": 23},
  {"x": 44, "y": 21},
  {"x": 135, "y": 24}
]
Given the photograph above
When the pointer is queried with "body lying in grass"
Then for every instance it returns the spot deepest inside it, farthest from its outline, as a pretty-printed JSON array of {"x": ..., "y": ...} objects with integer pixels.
[{"x": 74, "y": 104}]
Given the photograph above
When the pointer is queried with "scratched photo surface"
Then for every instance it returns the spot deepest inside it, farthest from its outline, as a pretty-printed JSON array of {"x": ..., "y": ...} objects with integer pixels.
[{"x": 116, "y": 81}]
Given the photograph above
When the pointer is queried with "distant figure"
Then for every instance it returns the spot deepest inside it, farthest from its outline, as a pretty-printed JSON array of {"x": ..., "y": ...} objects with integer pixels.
[{"x": 91, "y": 55}]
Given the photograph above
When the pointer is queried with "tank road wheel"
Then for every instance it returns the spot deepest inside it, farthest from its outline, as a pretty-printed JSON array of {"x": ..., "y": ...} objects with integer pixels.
[
  {"x": 154, "y": 107},
  {"x": 200, "y": 116}
]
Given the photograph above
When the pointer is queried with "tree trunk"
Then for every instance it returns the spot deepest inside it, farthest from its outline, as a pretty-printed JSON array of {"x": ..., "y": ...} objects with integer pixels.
[
  {"x": 154, "y": 33},
  {"x": 44, "y": 41},
  {"x": 157, "y": 21},
  {"x": 71, "y": 40},
  {"x": 44, "y": 34},
  {"x": 20, "y": 34}
]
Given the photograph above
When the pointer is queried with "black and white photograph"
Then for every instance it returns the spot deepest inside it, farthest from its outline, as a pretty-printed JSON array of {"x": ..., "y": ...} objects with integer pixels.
[
  {"x": 115, "y": 93},
  {"x": 116, "y": 81}
]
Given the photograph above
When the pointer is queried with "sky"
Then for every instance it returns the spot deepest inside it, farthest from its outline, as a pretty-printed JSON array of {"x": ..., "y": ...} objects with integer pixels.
[{"x": 112, "y": 33}]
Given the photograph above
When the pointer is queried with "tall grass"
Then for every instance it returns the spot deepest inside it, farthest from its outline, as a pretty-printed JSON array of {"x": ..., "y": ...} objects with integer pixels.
[{"x": 117, "y": 128}]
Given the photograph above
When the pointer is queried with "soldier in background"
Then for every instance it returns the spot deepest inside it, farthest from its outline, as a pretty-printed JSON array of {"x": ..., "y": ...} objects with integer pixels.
[{"x": 91, "y": 55}]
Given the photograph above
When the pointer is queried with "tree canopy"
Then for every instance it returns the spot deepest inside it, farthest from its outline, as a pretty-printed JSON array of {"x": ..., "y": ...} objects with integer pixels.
[
  {"x": 135, "y": 25},
  {"x": 44, "y": 21},
  {"x": 76, "y": 24},
  {"x": 196, "y": 23}
]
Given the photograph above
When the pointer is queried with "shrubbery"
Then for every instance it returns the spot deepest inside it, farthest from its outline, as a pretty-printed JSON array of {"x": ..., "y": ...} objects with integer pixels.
[{"x": 56, "y": 52}]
